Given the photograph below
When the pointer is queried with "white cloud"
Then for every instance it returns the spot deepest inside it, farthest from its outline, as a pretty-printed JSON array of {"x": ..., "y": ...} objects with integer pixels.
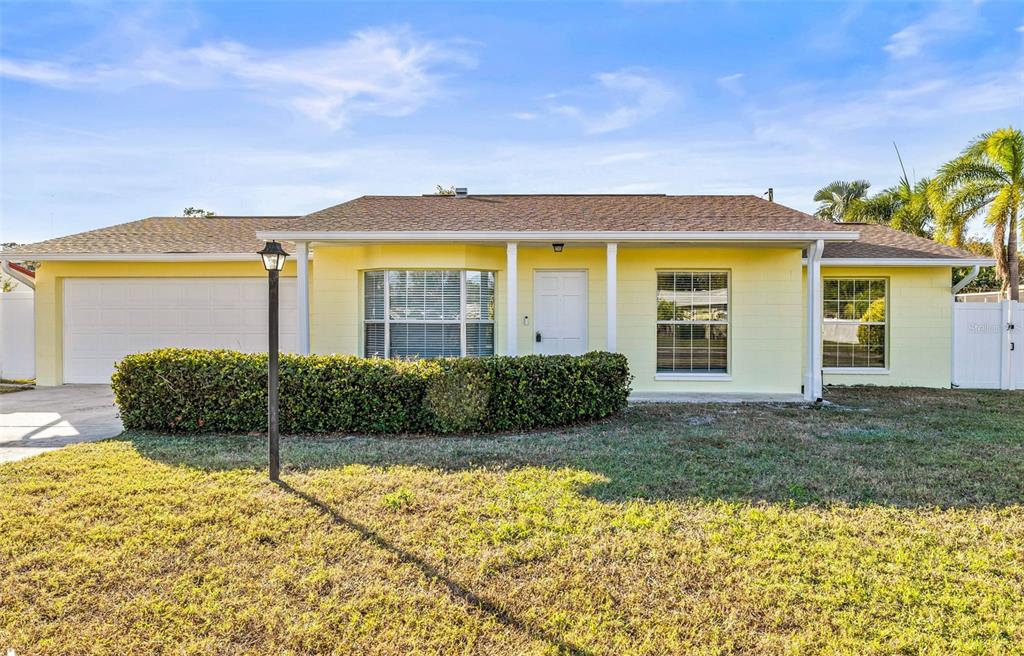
[
  {"x": 649, "y": 187},
  {"x": 732, "y": 83},
  {"x": 525, "y": 116},
  {"x": 633, "y": 95},
  {"x": 102, "y": 183},
  {"x": 47, "y": 73},
  {"x": 382, "y": 72},
  {"x": 897, "y": 103},
  {"x": 948, "y": 19},
  {"x": 619, "y": 158}
]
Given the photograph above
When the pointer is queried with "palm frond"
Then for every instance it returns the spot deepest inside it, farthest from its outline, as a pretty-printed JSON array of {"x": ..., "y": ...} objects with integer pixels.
[
  {"x": 836, "y": 197},
  {"x": 977, "y": 148},
  {"x": 1005, "y": 148},
  {"x": 999, "y": 209},
  {"x": 969, "y": 169}
]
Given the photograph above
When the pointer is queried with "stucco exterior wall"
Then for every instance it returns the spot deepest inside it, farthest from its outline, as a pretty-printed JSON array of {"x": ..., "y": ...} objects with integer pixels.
[
  {"x": 920, "y": 326},
  {"x": 50, "y": 303}
]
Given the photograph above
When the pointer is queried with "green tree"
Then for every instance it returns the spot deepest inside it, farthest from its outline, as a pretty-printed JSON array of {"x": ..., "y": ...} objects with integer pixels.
[
  {"x": 445, "y": 191},
  {"x": 910, "y": 207},
  {"x": 987, "y": 280},
  {"x": 989, "y": 173},
  {"x": 196, "y": 213},
  {"x": 836, "y": 198}
]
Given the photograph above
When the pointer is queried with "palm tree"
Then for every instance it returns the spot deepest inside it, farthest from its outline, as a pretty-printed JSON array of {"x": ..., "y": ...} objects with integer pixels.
[
  {"x": 989, "y": 173},
  {"x": 911, "y": 207},
  {"x": 837, "y": 197}
]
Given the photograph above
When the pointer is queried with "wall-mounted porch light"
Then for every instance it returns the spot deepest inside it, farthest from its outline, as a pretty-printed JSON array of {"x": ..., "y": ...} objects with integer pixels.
[{"x": 558, "y": 247}]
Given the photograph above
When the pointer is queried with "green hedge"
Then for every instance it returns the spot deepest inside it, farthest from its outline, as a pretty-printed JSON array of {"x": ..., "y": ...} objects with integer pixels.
[{"x": 196, "y": 391}]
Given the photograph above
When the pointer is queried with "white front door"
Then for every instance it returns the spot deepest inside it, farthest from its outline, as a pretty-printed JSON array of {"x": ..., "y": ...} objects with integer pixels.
[{"x": 560, "y": 312}]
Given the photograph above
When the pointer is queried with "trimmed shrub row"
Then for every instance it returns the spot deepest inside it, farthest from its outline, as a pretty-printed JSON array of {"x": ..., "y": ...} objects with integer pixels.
[{"x": 190, "y": 390}]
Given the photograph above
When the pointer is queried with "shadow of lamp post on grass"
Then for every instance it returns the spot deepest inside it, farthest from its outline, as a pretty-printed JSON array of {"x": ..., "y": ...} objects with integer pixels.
[{"x": 274, "y": 257}]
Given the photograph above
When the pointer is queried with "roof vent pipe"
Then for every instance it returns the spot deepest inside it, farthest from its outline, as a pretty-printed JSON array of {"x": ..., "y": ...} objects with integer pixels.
[
  {"x": 461, "y": 192},
  {"x": 770, "y": 194}
]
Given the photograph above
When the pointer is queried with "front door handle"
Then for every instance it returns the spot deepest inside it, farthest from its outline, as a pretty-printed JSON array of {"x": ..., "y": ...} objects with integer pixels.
[{"x": 537, "y": 337}]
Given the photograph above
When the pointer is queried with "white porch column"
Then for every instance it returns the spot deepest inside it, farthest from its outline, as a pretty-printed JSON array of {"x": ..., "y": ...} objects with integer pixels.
[
  {"x": 302, "y": 269},
  {"x": 819, "y": 303},
  {"x": 612, "y": 297},
  {"x": 812, "y": 377},
  {"x": 512, "y": 298}
]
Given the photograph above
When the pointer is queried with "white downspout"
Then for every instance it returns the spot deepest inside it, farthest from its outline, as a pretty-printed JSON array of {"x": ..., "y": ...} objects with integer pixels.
[
  {"x": 5, "y": 266},
  {"x": 612, "y": 297},
  {"x": 812, "y": 376}
]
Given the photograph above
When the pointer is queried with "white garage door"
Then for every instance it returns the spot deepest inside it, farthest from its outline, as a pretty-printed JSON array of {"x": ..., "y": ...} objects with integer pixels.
[{"x": 106, "y": 319}]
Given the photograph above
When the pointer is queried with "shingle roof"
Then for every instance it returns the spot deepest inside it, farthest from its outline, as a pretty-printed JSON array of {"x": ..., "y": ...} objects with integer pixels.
[
  {"x": 543, "y": 212},
  {"x": 879, "y": 242},
  {"x": 237, "y": 234},
  {"x": 166, "y": 235}
]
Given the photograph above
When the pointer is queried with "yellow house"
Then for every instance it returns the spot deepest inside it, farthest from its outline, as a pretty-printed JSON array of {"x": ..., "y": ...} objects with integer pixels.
[{"x": 703, "y": 294}]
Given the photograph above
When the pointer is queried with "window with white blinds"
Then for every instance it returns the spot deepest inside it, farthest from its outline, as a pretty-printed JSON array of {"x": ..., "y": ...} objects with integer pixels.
[
  {"x": 428, "y": 314},
  {"x": 693, "y": 322},
  {"x": 853, "y": 335}
]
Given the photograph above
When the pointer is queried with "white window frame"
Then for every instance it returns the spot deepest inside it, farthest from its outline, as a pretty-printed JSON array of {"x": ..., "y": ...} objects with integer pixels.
[
  {"x": 462, "y": 320},
  {"x": 696, "y": 375},
  {"x": 883, "y": 370}
]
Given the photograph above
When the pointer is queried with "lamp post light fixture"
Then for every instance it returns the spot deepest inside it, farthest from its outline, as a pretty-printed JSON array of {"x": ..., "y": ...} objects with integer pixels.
[{"x": 273, "y": 261}]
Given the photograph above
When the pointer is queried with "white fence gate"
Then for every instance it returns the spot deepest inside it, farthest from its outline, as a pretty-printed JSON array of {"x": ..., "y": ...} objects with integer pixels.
[
  {"x": 988, "y": 345},
  {"x": 17, "y": 335}
]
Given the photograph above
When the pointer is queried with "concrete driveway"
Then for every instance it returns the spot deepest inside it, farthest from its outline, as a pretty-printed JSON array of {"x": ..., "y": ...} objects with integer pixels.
[{"x": 47, "y": 418}]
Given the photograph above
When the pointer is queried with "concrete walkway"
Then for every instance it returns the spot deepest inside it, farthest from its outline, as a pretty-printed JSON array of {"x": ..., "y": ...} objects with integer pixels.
[
  {"x": 711, "y": 397},
  {"x": 47, "y": 418}
]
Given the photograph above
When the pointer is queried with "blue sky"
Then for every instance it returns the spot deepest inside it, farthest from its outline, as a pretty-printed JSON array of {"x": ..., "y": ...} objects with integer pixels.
[{"x": 112, "y": 112}]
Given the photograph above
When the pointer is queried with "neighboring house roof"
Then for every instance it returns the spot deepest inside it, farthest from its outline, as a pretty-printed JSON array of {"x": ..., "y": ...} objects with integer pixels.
[
  {"x": 237, "y": 236},
  {"x": 561, "y": 213},
  {"x": 166, "y": 235},
  {"x": 882, "y": 242},
  {"x": 22, "y": 270}
]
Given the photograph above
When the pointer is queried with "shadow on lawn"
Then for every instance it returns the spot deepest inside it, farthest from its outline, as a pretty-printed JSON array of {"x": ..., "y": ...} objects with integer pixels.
[
  {"x": 899, "y": 447},
  {"x": 432, "y": 573}
]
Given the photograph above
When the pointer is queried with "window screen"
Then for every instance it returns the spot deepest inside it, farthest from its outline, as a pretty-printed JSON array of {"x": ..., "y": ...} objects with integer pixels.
[
  {"x": 855, "y": 315},
  {"x": 428, "y": 313},
  {"x": 693, "y": 322}
]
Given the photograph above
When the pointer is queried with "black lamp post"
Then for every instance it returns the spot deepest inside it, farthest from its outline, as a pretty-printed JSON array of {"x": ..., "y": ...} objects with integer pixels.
[{"x": 273, "y": 261}]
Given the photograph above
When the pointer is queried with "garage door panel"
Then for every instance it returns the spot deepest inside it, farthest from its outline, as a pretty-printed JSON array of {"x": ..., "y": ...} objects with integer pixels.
[
  {"x": 87, "y": 317},
  {"x": 138, "y": 294},
  {"x": 140, "y": 320},
  {"x": 106, "y": 319},
  {"x": 143, "y": 343},
  {"x": 111, "y": 297},
  {"x": 163, "y": 317},
  {"x": 82, "y": 342}
]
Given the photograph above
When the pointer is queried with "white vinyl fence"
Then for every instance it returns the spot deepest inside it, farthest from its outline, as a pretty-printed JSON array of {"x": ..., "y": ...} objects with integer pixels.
[
  {"x": 988, "y": 345},
  {"x": 17, "y": 335}
]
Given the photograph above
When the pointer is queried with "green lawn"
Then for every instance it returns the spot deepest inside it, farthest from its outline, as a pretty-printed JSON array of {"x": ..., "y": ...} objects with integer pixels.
[{"x": 890, "y": 522}]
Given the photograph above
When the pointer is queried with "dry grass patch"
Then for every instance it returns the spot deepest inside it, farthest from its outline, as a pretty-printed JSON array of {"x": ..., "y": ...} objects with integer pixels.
[{"x": 890, "y": 522}]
